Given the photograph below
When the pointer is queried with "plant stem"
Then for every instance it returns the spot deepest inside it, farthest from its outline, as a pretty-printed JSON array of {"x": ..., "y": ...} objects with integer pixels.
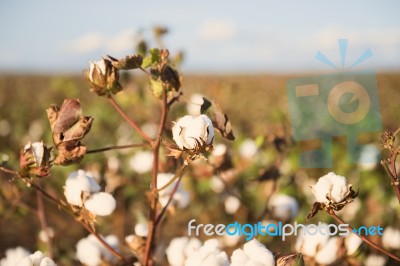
[
  {"x": 43, "y": 223},
  {"x": 179, "y": 174},
  {"x": 128, "y": 120},
  {"x": 154, "y": 193},
  {"x": 366, "y": 240},
  {"x": 117, "y": 147}
]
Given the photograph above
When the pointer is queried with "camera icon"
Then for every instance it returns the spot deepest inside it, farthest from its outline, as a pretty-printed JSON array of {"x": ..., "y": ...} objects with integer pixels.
[{"x": 326, "y": 106}]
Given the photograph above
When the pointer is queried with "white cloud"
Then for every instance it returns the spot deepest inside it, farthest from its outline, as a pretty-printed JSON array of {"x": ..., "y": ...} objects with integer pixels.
[
  {"x": 121, "y": 42},
  {"x": 86, "y": 43},
  {"x": 217, "y": 30}
]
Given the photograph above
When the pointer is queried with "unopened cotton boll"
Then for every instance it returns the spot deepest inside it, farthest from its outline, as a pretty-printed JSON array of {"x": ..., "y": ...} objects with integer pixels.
[
  {"x": 328, "y": 253},
  {"x": 13, "y": 256},
  {"x": 375, "y": 260},
  {"x": 101, "y": 204},
  {"x": 391, "y": 238},
  {"x": 330, "y": 185},
  {"x": 248, "y": 149},
  {"x": 284, "y": 207},
  {"x": 232, "y": 204},
  {"x": 189, "y": 132},
  {"x": 194, "y": 104},
  {"x": 142, "y": 162},
  {"x": 352, "y": 242},
  {"x": 253, "y": 253},
  {"x": 78, "y": 183},
  {"x": 307, "y": 244}
]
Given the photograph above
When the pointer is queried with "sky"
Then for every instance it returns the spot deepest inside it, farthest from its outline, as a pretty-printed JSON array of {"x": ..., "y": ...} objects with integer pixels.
[{"x": 217, "y": 36}]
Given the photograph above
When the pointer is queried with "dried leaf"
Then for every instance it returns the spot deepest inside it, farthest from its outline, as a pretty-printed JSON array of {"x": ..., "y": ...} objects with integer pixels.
[
  {"x": 317, "y": 206},
  {"x": 129, "y": 62}
]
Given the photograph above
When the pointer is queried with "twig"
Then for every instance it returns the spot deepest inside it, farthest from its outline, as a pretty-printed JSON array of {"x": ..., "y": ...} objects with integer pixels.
[
  {"x": 128, "y": 120},
  {"x": 366, "y": 240},
  {"x": 43, "y": 222},
  {"x": 178, "y": 174},
  {"x": 117, "y": 147}
]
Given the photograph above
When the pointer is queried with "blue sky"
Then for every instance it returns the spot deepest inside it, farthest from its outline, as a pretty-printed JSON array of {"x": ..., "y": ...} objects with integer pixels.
[{"x": 217, "y": 36}]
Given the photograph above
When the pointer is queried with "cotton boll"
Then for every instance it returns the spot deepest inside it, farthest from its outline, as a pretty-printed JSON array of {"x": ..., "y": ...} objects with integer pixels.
[
  {"x": 181, "y": 197},
  {"x": 375, "y": 260},
  {"x": 207, "y": 255},
  {"x": 232, "y": 204},
  {"x": 216, "y": 184},
  {"x": 77, "y": 183},
  {"x": 88, "y": 252},
  {"x": 113, "y": 241},
  {"x": 142, "y": 162},
  {"x": 191, "y": 246},
  {"x": 175, "y": 251},
  {"x": 329, "y": 252},
  {"x": 248, "y": 149},
  {"x": 307, "y": 244},
  {"x": 150, "y": 129},
  {"x": 257, "y": 252},
  {"x": 162, "y": 180},
  {"x": 189, "y": 132},
  {"x": 219, "y": 150},
  {"x": 25, "y": 262},
  {"x": 230, "y": 240},
  {"x": 47, "y": 262},
  {"x": 141, "y": 229},
  {"x": 352, "y": 242},
  {"x": 391, "y": 238},
  {"x": 44, "y": 236},
  {"x": 13, "y": 256},
  {"x": 331, "y": 185},
  {"x": 194, "y": 104},
  {"x": 101, "y": 204},
  {"x": 239, "y": 258},
  {"x": 36, "y": 258},
  {"x": 284, "y": 207}
]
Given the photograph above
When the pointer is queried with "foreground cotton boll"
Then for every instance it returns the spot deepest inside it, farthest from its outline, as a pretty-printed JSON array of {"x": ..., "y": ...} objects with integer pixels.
[
  {"x": 375, "y": 260},
  {"x": 248, "y": 149},
  {"x": 232, "y": 204},
  {"x": 284, "y": 207},
  {"x": 142, "y": 162},
  {"x": 253, "y": 253},
  {"x": 308, "y": 244},
  {"x": 13, "y": 256},
  {"x": 91, "y": 252},
  {"x": 328, "y": 253},
  {"x": 194, "y": 104},
  {"x": 101, "y": 204},
  {"x": 352, "y": 242},
  {"x": 391, "y": 238},
  {"x": 181, "y": 198},
  {"x": 332, "y": 186},
  {"x": 209, "y": 254},
  {"x": 180, "y": 248},
  {"x": 36, "y": 259},
  {"x": 141, "y": 229},
  {"x": 77, "y": 183},
  {"x": 189, "y": 132}
]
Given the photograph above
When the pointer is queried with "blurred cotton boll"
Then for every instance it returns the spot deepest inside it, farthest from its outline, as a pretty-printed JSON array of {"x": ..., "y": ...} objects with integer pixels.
[
  {"x": 352, "y": 242},
  {"x": 369, "y": 157},
  {"x": 216, "y": 184},
  {"x": 190, "y": 132},
  {"x": 194, "y": 104},
  {"x": 284, "y": 207},
  {"x": 391, "y": 238},
  {"x": 328, "y": 253},
  {"x": 330, "y": 185},
  {"x": 209, "y": 254},
  {"x": 150, "y": 129},
  {"x": 141, "y": 229},
  {"x": 101, "y": 204},
  {"x": 350, "y": 212},
  {"x": 375, "y": 260},
  {"x": 307, "y": 244},
  {"x": 180, "y": 248},
  {"x": 36, "y": 259},
  {"x": 253, "y": 253},
  {"x": 78, "y": 183},
  {"x": 181, "y": 198},
  {"x": 142, "y": 162},
  {"x": 13, "y": 256},
  {"x": 91, "y": 252},
  {"x": 248, "y": 149},
  {"x": 232, "y": 204}
]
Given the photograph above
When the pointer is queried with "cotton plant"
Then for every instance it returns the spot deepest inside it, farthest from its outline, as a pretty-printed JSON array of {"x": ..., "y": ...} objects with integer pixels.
[{"x": 283, "y": 207}]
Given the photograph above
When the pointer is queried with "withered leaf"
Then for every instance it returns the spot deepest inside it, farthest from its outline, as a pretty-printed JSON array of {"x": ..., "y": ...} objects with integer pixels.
[
  {"x": 220, "y": 119},
  {"x": 129, "y": 62},
  {"x": 68, "y": 115},
  {"x": 317, "y": 206}
]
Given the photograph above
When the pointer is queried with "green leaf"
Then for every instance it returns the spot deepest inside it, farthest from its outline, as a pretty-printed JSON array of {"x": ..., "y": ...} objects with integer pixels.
[
  {"x": 156, "y": 86},
  {"x": 152, "y": 59}
]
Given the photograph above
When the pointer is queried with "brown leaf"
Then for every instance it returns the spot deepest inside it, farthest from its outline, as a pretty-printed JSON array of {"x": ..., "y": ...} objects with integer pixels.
[
  {"x": 314, "y": 210},
  {"x": 129, "y": 62},
  {"x": 220, "y": 120}
]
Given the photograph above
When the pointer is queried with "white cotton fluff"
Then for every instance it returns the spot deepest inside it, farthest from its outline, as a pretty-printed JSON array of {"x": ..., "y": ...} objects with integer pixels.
[
  {"x": 142, "y": 162},
  {"x": 36, "y": 259},
  {"x": 352, "y": 242},
  {"x": 77, "y": 183},
  {"x": 375, "y": 260},
  {"x": 90, "y": 251},
  {"x": 284, "y": 207},
  {"x": 141, "y": 229},
  {"x": 307, "y": 244},
  {"x": 328, "y": 253},
  {"x": 189, "y": 132},
  {"x": 180, "y": 248},
  {"x": 208, "y": 255},
  {"x": 181, "y": 198},
  {"x": 332, "y": 185},
  {"x": 219, "y": 150},
  {"x": 248, "y": 149},
  {"x": 37, "y": 149},
  {"x": 13, "y": 256},
  {"x": 232, "y": 204},
  {"x": 100, "y": 203},
  {"x": 216, "y": 184},
  {"x": 253, "y": 253},
  {"x": 391, "y": 238},
  {"x": 194, "y": 104}
]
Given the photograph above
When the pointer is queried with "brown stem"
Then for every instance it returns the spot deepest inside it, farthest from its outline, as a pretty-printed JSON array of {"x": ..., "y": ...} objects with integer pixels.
[
  {"x": 154, "y": 193},
  {"x": 43, "y": 222},
  {"x": 128, "y": 120},
  {"x": 117, "y": 147},
  {"x": 366, "y": 240},
  {"x": 393, "y": 170}
]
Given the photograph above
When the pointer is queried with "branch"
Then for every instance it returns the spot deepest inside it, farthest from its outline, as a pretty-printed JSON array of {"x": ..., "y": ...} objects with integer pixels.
[
  {"x": 43, "y": 222},
  {"x": 366, "y": 240},
  {"x": 128, "y": 120},
  {"x": 117, "y": 147}
]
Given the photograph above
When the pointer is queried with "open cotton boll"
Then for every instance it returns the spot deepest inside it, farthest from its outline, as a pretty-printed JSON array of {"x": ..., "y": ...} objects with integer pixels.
[
  {"x": 219, "y": 150},
  {"x": 248, "y": 149},
  {"x": 253, "y": 253},
  {"x": 88, "y": 252},
  {"x": 284, "y": 207},
  {"x": 77, "y": 183},
  {"x": 328, "y": 253},
  {"x": 47, "y": 262},
  {"x": 101, "y": 204},
  {"x": 208, "y": 255},
  {"x": 391, "y": 238},
  {"x": 352, "y": 242},
  {"x": 141, "y": 229},
  {"x": 113, "y": 241},
  {"x": 239, "y": 258},
  {"x": 232, "y": 204},
  {"x": 180, "y": 248},
  {"x": 189, "y": 132},
  {"x": 13, "y": 256},
  {"x": 375, "y": 260},
  {"x": 332, "y": 185},
  {"x": 307, "y": 244},
  {"x": 194, "y": 104},
  {"x": 142, "y": 162}
]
